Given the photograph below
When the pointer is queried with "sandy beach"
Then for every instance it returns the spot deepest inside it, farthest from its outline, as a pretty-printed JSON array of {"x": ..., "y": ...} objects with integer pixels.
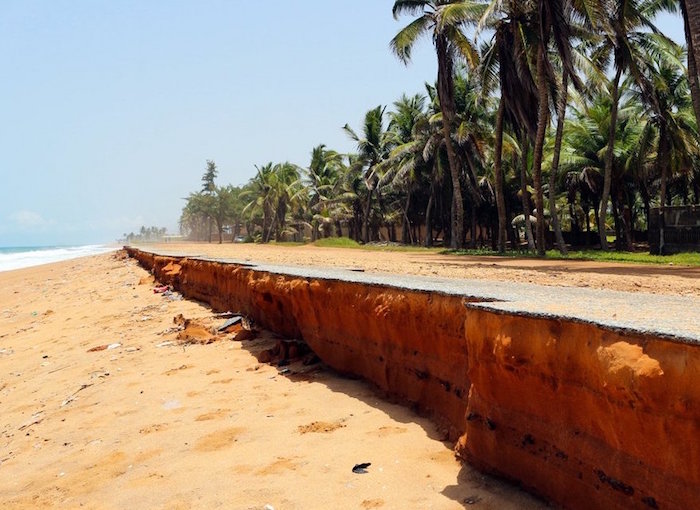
[{"x": 150, "y": 422}]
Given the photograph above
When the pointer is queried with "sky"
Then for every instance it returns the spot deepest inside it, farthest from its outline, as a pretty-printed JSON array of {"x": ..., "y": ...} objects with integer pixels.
[{"x": 109, "y": 110}]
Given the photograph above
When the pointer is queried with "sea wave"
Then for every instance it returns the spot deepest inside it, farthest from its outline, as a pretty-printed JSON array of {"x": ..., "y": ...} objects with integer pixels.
[{"x": 18, "y": 258}]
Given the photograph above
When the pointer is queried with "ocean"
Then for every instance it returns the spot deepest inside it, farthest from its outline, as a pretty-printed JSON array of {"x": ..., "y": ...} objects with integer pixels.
[{"x": 27, "y": 256}]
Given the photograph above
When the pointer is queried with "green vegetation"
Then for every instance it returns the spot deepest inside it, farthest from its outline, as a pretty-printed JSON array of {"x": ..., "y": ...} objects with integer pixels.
[
  {"x": 679, "y": 259},
  {"x": 337, "y": 242},
  {"x": 548, "y": 120},
  {"x": 145, "y": 235}
]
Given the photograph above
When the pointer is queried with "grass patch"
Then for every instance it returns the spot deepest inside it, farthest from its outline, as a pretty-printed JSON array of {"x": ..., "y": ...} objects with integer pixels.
[
  {"x": 680, "y": 259},
  {"x": 337, "y": 242},
  {"x": 345, "y": 242}
]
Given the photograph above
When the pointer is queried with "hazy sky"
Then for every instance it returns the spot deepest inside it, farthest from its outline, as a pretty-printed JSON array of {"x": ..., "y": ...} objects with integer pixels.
[{"x": 110, "y": 109}]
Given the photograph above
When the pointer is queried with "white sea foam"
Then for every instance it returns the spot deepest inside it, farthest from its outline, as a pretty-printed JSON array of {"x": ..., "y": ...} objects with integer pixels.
[{"x": 17, "y": 258}]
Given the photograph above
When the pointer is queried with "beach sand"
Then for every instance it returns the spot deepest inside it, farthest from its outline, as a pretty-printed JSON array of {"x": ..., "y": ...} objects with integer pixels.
[{"x": 194, "y": 426}]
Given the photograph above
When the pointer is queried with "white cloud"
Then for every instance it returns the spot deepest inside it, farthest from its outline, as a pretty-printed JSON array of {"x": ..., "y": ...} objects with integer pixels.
[{"x": 29, "y": 219}]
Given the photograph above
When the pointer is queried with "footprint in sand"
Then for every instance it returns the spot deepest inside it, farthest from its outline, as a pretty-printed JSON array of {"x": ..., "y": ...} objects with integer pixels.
[
  {"x": 156, "y": 427},
  {"x": 219, "y": 439},
  {"x": 214, "y": 415},
  {"x": 176, "y": 370},
  {"x": 388, "y": 431},
  {"x": 320, "y": 427},
  {"x": 281, "y": 465}
]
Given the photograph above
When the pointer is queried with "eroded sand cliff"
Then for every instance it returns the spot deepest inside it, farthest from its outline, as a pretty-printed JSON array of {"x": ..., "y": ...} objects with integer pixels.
[{"x": 581, "y": 414}]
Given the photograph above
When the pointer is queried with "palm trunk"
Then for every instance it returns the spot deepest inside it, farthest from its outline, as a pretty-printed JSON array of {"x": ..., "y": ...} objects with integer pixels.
[
  {"x": 662, "y": 162},
  {"x": 338, "y": 229},
  {"x": 625, "y": 217},
  {"x": 607, "y": 181},
  {"x": 405, "y": 223},
  {"x": 542, "y": 120},
  {"x": 447, "y": 106},
  {"x": 561, "y": 114},
  {"x": 368, "y": 211},
  {"x": 691, "y": 22},
  {"x": 525, "y": 197},
  {"x": 474, "y": 226},
  {"x": 429, "y": 217},
  {"x": 498, "y": 170}
]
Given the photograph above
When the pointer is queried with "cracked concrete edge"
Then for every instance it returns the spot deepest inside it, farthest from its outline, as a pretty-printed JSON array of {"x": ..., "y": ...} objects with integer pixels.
[{"x": 517, "y": 298}]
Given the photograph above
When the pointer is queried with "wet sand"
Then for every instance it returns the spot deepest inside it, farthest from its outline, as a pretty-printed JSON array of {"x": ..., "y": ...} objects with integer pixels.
[{"x": 194, "y": 426}]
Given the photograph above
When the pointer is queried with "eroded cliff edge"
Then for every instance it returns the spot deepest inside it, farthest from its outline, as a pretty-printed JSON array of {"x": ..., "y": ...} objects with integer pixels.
[{"x": 583, "y": 415}]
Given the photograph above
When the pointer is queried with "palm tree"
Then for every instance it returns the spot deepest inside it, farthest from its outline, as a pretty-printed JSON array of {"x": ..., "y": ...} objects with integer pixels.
[
  {"x": 285, "y": 184},
  {"x": 552, "y": 22},
  {"x": 585, "y": 151},
  {"x": 677, "y": 131},
  {"x": 405, "y": 167},
  {"x": 259, "y": 193},
  {"x": 373, "y": 148},
  {"x": 321, "y": 181},
  {"x": 444, "y": 20},
  {"x": 691, "y": 22},
  {"x": 506, "y": 65},
  {"x": 633, "y": 42}
]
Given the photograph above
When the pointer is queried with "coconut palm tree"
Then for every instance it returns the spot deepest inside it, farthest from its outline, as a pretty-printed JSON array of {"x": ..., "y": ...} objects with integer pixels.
[
  {"x": 677, "y": 146},
  {"x": 631, "y": 43},
  {"x": 259, "y": 194},
  {"x": 373, "y": 147},
  {"x": 321, "y": 181},
  {"x": 444, "y": 20},
  {"x": 690, "y": 10},
  {"x": 505, "y": 66}
]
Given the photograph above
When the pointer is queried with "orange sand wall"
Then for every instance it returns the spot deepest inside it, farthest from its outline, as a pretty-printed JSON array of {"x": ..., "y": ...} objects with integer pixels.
[{"x": 586, "y": 417}]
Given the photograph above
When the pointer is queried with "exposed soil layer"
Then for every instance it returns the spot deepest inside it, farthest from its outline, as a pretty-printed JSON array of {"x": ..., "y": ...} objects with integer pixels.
[
  {"x": 589, "y": 417},
  {"x": 583, "y": 415}
]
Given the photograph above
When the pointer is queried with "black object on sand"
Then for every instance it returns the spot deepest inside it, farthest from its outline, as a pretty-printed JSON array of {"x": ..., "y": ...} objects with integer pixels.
[{"x": 361, "y": 468}]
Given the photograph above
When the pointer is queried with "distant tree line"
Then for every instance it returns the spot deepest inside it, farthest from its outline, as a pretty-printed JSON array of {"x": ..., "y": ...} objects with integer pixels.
[
  {"x": 145, "y": 234},
  {"x": 548, "y": 119}
]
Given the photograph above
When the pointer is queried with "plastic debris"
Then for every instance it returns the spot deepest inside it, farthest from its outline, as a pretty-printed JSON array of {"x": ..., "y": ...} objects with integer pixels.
[
  {"x": 165, "y": 344},
  {"x": 361, "y": 469},
  {"x": 113, "y": 346},
  {"x": 171, "y": 404}
]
